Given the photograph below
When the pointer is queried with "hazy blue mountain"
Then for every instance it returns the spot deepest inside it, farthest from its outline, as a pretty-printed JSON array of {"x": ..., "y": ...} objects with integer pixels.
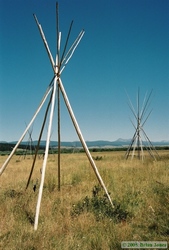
[{"x": 99, "y": 143}]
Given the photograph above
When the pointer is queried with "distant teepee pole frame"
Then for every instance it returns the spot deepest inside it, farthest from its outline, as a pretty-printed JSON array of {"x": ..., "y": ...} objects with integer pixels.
[
  {"x": 26, "y": 130},
  {"x": 141, "y": 117},
  {"x": 30, "y": 146}
]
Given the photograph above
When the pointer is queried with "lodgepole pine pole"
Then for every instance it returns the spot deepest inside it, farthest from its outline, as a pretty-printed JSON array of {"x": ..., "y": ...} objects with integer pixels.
[
  {"x": 82, "y": 140},
  {"x": 57, "y": 70},
  {"x": 40, "y": 136},
  {"x": 45, "y": 157},
  {"x": 58, "y": 96}
]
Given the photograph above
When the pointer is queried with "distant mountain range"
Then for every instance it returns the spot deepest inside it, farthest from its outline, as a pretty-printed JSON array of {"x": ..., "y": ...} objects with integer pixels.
[{"x": 91, "y": 144}]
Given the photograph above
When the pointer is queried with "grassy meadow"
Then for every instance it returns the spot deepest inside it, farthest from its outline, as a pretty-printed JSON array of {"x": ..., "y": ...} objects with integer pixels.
[{"x": 79, "y": 216}]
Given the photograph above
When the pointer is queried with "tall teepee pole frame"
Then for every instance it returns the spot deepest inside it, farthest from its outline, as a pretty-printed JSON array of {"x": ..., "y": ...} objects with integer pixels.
[
  {"x": 58, "y": 68},
  {"x": 55, "y": 87},
  {"x": 141, "y": 118}
]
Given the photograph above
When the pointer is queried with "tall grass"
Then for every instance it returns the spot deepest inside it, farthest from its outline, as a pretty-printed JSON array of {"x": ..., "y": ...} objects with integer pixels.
[{"x": 79, "y": 217}]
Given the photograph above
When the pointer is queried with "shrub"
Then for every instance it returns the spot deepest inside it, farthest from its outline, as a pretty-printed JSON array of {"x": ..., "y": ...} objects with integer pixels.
[
  {"x": 100, "y": 206},
  {"x": 97, "y": 158}
]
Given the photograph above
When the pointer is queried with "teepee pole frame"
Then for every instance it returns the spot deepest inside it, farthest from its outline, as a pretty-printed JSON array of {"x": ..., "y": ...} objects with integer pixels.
[
  {"x": 141, "y": 118},
  {"x": 55, "y": 86},
  {"x": 58, "y": 69}
]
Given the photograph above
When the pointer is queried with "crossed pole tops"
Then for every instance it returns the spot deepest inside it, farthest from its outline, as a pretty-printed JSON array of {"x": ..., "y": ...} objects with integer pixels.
[{"x": 61, "y": 61}]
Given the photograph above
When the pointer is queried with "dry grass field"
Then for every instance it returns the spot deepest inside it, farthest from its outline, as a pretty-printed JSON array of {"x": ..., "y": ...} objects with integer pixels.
[{"x": 79, "y": 216}]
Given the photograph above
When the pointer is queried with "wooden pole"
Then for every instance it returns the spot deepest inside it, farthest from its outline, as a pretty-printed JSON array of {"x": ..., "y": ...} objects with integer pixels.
[
  {"x": 134, "y": 147},
  {"x": 138, "y": 125},
  {"x": 57, "y": 70},
  {"x": 24, "y": 133},
  {"x": 58, "y": 96},
  {"x": 40, "y": 136},
  {"x": 46, "y": 156},
  {"x": 142, "y": 151},
  {"x": 45, "y": 42},
  {"x": 67, "y": 39},
  {"x": 82, "y": 139},
  {"x": 71, "y": 50},
  {"x": 150, "y": 146}
]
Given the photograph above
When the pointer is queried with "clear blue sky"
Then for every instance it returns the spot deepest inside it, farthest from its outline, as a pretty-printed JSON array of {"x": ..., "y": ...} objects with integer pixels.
[{"x": 125, "y": 46}]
